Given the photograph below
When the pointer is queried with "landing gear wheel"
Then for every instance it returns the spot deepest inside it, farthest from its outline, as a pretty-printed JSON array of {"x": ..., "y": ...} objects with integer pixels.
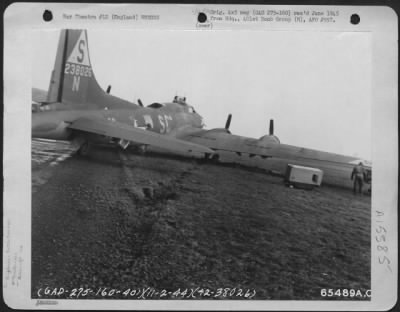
[
  {"x": 215, "y": 158},
  {"x": 84, "y": 149}
]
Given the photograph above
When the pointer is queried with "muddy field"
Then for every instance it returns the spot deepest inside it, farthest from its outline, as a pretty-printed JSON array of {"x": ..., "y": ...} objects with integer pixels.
[{"x": 126, "y": 221}]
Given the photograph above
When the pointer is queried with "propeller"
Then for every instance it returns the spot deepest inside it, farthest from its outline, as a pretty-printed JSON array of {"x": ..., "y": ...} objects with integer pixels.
[
  {"x": 228, "y": 122},
  {"x": 271, "y": 127},
  {"x": 140, "y": 102},
  {"x": 108, "y": 89}
]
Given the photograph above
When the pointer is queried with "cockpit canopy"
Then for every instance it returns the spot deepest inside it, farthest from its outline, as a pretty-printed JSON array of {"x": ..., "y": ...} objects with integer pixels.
[
  {"x": 156, "y": 105},
  {"x": 181, "y": 100}
]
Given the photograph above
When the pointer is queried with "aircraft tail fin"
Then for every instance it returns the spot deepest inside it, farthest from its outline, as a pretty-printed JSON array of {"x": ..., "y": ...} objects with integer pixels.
[{"x": 73, "y": 82}]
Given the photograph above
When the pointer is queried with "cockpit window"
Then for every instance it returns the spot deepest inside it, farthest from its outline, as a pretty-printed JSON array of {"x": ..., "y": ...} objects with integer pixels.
[
  {"x": 191, "y": 110},
  {"x": 155, "y": 105}
]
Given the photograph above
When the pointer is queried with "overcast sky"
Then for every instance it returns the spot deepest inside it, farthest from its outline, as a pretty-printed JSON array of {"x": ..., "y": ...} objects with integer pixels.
[{"x": 315, "y": 85}]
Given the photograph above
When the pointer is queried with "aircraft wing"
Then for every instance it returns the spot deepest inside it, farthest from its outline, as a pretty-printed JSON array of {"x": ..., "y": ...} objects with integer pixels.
[
  {"x": 135, "y": 135},
  {"x": 219, "y": 140}
]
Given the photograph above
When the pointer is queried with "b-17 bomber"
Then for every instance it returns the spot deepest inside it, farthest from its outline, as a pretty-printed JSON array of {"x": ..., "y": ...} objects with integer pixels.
[{"x": 77, "y": 109}]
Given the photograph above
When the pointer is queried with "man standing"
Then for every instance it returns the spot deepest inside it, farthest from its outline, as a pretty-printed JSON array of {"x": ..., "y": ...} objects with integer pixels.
[{"x": 358, "y": 175}]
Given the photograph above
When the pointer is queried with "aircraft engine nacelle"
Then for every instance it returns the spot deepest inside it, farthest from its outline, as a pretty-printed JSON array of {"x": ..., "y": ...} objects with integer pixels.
[{"x": 269, "y": 139}]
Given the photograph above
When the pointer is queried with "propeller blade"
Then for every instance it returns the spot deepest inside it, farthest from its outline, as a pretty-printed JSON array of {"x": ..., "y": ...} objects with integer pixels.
[
  {"x": 108, "y": 89},
  {"x": 228, "y": 122},
  {"x": 140, "y": 102},
  {"x": 271, "y": 127}
]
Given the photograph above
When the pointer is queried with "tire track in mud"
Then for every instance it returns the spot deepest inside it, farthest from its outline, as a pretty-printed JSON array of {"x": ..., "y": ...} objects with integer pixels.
[
  {"x": 44, "y": 155},
  {"x": 146, "y": 213}
]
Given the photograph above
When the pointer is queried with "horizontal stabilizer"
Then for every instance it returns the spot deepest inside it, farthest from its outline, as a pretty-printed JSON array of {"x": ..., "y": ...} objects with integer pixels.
[{"x": 39, "y": 96}]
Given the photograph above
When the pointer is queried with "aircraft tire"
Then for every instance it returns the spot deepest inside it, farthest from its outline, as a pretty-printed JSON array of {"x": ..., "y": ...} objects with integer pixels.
[
  {"x": 84, "y": 149},
  {"x": 215, "y": 158}
]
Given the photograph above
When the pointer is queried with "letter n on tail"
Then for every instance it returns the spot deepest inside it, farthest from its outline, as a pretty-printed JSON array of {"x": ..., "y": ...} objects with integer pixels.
[{"x": 75, "y": 83}]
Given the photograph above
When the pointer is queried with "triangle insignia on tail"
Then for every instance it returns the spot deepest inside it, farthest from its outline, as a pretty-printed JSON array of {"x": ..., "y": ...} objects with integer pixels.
[{"x": 80, "y": 53}]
